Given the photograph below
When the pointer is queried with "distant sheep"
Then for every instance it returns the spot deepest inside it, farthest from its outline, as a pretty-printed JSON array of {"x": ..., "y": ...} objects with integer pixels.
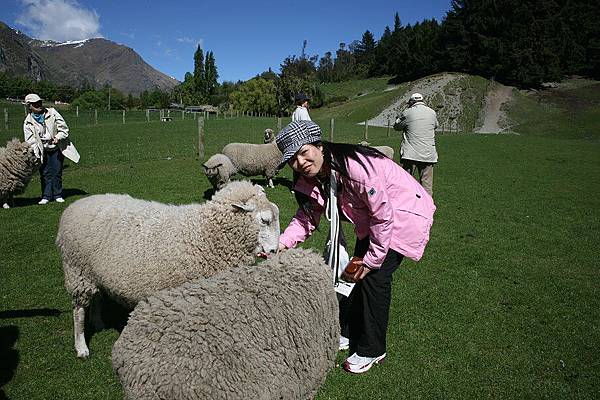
[
  {"x": 256, "y": 332},
  {"x": 219, "y": 169},
  {"x": 131, "y": 248},
  {"x": 255, "y": 159},
  {"x": 269, "y": 135},
  {"x": 385, "y": 150},
  {"x": 17, "y": 164}
]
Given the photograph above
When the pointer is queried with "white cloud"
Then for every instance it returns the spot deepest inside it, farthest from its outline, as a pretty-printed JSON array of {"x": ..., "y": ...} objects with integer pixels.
[
  {"x": 189, "y": 40},
  {"x": 59, "y": 20}
]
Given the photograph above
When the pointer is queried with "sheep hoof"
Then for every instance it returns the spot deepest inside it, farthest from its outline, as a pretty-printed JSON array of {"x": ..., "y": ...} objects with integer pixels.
[{"x": 83, "y": 354}]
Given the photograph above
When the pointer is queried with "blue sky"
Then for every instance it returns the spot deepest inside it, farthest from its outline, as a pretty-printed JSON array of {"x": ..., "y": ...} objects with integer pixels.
[{"x": 246, "y": 37}]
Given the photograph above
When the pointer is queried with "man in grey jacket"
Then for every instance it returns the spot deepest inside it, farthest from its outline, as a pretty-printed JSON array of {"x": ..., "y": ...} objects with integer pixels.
[{"x": 417, "y": 152}]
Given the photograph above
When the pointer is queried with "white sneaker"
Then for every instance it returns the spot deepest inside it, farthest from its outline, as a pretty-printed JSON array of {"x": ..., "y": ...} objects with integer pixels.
[
  {"x": 344, "y": 343},
  {"x": 5, "y": 205},
  {"x": 59, "y": 200},
  {"x": 357, "y": 364},
  {"x": 43, "y": 201}
]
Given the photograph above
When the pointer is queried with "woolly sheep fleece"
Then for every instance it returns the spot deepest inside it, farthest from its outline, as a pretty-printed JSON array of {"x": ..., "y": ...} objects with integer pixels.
[
  {"x": 218, "y": 169},
  {"x": 131, "y": 248},
  {"x": 256, "y": 332},
  {"x": 254, "y": 159},
  {"x": 17, "y": 164},
  {"x": 385, "y": 150}
]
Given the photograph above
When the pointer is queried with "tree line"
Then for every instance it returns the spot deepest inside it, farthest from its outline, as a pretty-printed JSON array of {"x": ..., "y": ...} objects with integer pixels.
[
  {"x": 518, "y": 42},
  {"x": 523, "y": 43}
]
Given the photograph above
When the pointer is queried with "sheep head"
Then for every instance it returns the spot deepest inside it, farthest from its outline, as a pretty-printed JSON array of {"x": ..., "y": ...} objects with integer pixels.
[{"x": 251, "y": 199}]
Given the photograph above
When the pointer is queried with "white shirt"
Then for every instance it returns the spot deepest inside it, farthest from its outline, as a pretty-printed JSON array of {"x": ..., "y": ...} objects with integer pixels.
[{"x": 301, "y": 114}]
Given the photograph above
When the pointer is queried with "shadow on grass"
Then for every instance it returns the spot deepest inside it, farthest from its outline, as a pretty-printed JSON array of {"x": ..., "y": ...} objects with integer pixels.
[
  {"x": 36, "y": 312},
  {"x": 112, "y": 316},
  {"x": 24, "y": 202},
  {"x": 208, "y": 193},
  {"x": 9, "y": 357}
]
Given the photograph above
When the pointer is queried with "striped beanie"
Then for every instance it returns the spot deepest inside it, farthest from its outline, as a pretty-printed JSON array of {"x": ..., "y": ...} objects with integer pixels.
[{"x": 294, "y": 136}]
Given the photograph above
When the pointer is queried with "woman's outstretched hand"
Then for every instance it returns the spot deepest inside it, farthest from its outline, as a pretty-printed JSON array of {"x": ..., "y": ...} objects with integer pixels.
[{"x": 264, "y": 255}]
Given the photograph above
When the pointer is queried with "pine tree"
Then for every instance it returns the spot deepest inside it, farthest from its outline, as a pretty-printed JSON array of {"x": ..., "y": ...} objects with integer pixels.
[
  {"x": 199, "y": 77},
  {"x": 210, "y": 74}
]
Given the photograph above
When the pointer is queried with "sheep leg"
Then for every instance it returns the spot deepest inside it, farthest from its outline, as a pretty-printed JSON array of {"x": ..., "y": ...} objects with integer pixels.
[
  {"x": 79, "y": 333},
  {"x": 270, "y": 184}
]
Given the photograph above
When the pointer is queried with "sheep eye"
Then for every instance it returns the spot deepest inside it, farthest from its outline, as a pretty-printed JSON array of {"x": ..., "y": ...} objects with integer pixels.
[{"x": 265, "y": 220}]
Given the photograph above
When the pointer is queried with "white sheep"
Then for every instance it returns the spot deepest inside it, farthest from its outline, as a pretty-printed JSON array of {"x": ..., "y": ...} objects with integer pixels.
[
  {"x": 17, "y": 164},
  {"x": 131, "y": 248},
  {"x": 269, "y": 135},
  {"x": 255, "y": 332},
  {"x": 252, "y": 159},
  {"x": 219, "y": 169},
  {"x": 385, "y": 150}
]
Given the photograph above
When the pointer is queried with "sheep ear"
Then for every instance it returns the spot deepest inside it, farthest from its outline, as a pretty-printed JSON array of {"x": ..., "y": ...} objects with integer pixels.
[{"x": 244, "y": 207}]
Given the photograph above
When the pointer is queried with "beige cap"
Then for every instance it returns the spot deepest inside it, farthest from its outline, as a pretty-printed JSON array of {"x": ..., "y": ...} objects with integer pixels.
[{"x": 32, "y": 98}]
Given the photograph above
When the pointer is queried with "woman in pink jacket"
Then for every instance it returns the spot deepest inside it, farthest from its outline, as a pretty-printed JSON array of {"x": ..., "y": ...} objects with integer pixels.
[{"x": 391, "y": 213}]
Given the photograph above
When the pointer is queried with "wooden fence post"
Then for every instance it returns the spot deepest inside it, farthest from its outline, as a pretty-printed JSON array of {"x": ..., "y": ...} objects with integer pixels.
[
  {"x": 366, "y": 130},
  {"x": 77, "y": 111},
  {"x": 332, "y": 125},
  {"x": 182, "y": 115},
  {"x": 6, "y": 119},
  {"x": 388, "y": 128},
  {"x": 123, "y": 117},
  {"x": 201, "y": 139},
  {"x": 96, "y": 117},
  {"x": 278, "y": 124},
  {"x": 147, "y": 115}
]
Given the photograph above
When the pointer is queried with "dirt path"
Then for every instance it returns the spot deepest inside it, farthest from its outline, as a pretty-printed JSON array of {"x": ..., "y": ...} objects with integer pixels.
[
  {"x": 493, "y": 114},
  {"x": 426, "y": 86}
]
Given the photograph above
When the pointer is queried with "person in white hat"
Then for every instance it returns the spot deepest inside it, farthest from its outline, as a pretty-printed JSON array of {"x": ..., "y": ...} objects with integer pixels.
[
  {"x": 47, "y": 132},
  {"x": 417, "y": 152},
  {"x": 301, "y": 111}
]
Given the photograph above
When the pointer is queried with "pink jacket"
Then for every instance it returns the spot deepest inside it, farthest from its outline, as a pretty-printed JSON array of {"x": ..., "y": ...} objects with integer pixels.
[{"x": 384, "y": 202}]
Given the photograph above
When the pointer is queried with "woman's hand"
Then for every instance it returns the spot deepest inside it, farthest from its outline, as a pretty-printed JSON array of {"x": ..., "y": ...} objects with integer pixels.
[{"x": 264, "y": 255}]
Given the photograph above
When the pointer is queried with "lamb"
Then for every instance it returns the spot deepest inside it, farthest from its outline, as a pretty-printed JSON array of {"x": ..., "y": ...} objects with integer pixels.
[
  {"x": 385, "y": 150},
  {"x": 269, "y": 135},
  {"x": 219, "y": 169},
  {"x": 255, "y": 159},
  {"x": 17, "y": 164},
  {"x": 264, "y": 332},
  {"x": 130, "y": 248}
]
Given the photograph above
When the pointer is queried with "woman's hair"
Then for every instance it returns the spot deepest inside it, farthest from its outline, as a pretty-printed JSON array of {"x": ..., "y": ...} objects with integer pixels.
[{"x": 336, "y": 155}]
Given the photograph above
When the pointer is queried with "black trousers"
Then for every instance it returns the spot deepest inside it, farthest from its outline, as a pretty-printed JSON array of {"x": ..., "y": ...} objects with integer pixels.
[{"x": 364, "y": 314}]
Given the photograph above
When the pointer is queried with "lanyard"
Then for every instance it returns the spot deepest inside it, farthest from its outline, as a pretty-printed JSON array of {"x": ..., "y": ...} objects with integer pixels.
[{"x": 333, "y": 217}]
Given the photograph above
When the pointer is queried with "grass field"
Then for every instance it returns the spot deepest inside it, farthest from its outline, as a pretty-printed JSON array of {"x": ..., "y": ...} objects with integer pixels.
[{"x": 505, "y": 303}]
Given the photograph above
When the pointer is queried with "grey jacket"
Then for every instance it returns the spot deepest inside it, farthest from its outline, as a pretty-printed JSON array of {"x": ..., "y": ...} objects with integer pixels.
[
  {"x": 418, "y": 124},
  {"x": 39, "y": 136}
]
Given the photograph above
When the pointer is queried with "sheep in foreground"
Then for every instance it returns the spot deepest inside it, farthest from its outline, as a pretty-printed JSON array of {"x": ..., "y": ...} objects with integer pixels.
[
  {"x": 17, "y": 163},
  {"x": 255, "y": 159},
  {"x": 263, "y": 332},
  {"x": 218, "y": 169},
  {"x": 385, "y": 150},
  {"x": 269, "y": 135},
  {"x": 131, "y": 248}
]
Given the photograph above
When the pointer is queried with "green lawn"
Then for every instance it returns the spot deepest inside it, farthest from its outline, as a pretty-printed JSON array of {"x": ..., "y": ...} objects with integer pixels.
[{"x": 505, "y": 303}]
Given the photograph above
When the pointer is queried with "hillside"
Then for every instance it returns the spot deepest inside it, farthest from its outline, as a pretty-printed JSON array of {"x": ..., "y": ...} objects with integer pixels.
[
  {"x": 458, "y": 99},
  {"x": 468, "y": 103},
  {"x": 94, "y": 61}
]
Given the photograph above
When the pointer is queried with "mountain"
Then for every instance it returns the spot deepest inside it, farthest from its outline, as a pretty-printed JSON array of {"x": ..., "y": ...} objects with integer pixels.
[{"x": 93, "y": 61}]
